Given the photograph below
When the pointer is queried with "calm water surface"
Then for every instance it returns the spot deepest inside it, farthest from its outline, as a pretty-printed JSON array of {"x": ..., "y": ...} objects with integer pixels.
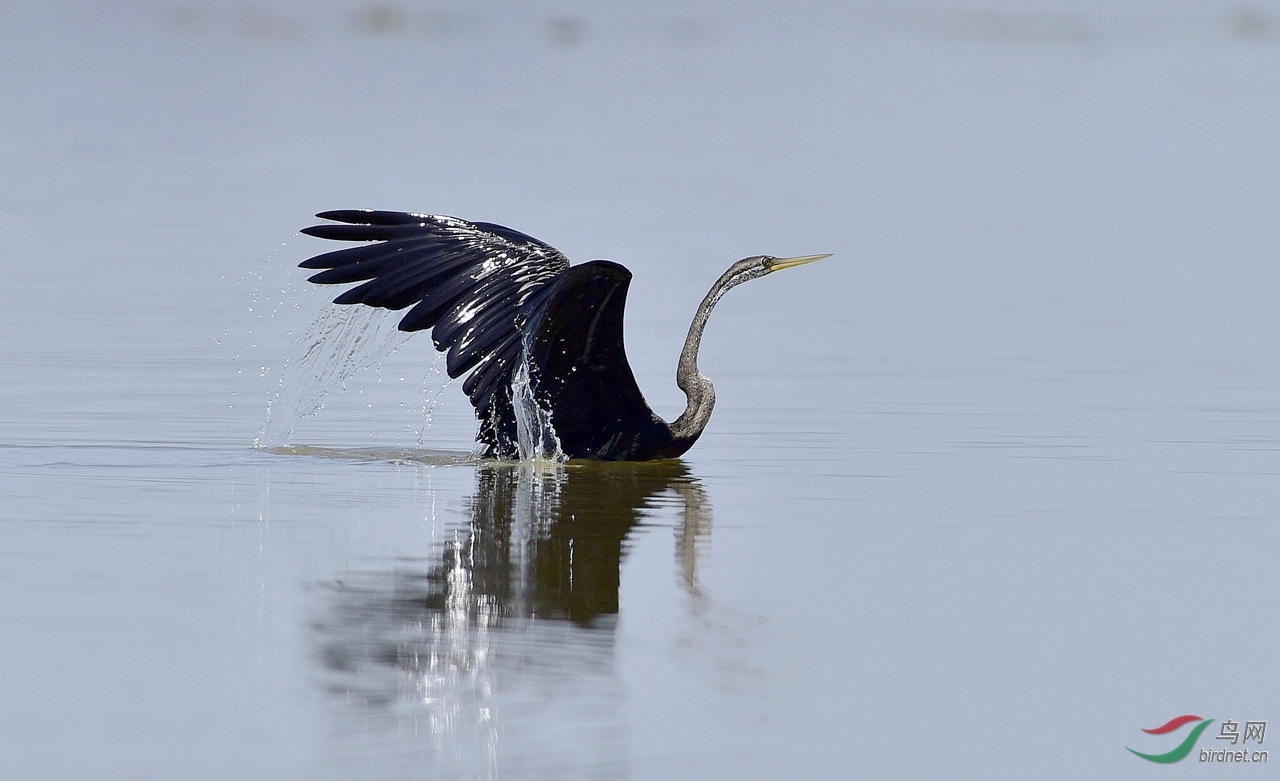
[{"x": 985, "y": 494}]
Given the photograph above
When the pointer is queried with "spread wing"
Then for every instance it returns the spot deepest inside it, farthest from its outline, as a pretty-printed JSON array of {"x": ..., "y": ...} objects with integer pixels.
[
  {"x": 467, "y": 281},
  {"x": 579, "y": 368}
]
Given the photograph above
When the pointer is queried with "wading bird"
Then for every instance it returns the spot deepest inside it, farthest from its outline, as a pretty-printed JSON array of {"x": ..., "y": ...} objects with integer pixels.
[{"x": 542, "y": 340}]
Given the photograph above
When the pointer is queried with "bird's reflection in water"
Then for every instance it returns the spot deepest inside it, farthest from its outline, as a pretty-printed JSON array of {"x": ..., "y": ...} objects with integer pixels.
[{"x": 497, "y": 651}]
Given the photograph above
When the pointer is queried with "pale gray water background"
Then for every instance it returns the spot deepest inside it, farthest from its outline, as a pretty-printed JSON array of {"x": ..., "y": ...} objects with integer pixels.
[{"x": 985, "y": 494}]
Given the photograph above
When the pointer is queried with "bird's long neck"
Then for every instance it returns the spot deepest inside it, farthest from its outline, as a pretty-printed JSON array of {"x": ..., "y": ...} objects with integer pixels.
[{"x": 697, "y": 387}]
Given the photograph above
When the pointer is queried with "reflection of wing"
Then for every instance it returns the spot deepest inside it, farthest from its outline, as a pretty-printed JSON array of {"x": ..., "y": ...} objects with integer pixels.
[
  {"x": 573, "y": 523},
  {"x": 579, "y": 368},
  {"x": 576, "y": 560},
  {"x": 466, "y": 280}
]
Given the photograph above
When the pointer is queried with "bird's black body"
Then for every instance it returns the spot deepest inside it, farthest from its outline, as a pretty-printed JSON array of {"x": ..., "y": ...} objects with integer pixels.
[
  {"x": 579, "y": 370},
  {"x": 496, "y": 299}
]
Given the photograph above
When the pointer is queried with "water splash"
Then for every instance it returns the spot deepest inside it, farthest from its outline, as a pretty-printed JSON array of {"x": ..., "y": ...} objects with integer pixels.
[
  {"x": 431, "y": 398},
  {"x": 339, "y": 342},
  {"x": 535, "y": 436}
]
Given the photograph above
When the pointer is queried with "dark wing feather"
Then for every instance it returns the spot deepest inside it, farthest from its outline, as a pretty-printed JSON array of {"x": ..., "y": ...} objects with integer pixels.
[
  {"x": 579, "y": 370},
  {"x": 469, "y": 281}
]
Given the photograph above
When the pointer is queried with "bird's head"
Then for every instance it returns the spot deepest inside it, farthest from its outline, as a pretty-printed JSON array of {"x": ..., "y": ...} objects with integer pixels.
[{"x": 748, "y": 269}]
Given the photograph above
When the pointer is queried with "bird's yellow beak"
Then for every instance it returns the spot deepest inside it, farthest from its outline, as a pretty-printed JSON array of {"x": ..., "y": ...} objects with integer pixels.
[{"x": 777, "y": 264}]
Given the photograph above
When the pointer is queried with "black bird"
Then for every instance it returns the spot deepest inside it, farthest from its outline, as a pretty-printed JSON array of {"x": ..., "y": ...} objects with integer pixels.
[{"x": 542, "y": 340}]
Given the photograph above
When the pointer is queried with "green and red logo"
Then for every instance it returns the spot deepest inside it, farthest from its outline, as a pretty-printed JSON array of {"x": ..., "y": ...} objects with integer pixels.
[
  {"x": 1184, "y": 747},
  {"x": 1254, "y": 731}
]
